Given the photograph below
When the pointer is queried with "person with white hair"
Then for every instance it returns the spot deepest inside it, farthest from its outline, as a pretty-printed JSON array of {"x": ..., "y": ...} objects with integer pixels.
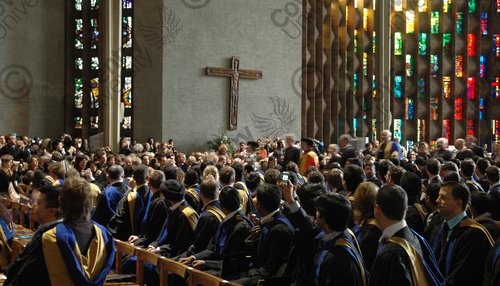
[
  {"x": 442, "y": 150},
  {"x": 387, "y": 148}
]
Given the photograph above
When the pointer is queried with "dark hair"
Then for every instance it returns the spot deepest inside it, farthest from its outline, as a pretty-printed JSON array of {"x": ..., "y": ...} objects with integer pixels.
[
  {"x": 395, "y": 173},
  {"x": 336, "y": 209},
  {"x": 239, "y": 172},
  {"x": 141, "y": 173},
  {"x": 229, "y": 198},
  {"x": 204, "y": 165},
  {"x": 451, "y": 176},
  {"x": 269, "y": 196},
  {"x": 482, "y": 202},
  {"x": 493, "y": 173},
  {"x": 209, "y": 188},
  {"x": 460, "y": 191},
  {"x": 393, "y": 201},
  {"x": 271, "y": 176},
  {"x": 395, "y": 161},
  {"x": 468, "y": 167},
  {"x": 353, "y": 176},
  {"x": 115, "y": 172},
  {"x": 432, "y": 192},
  {"x": 250, "y": 167},
  {"x": 483, "y": 164},
  {"x": 383, "y": 168},
  {"x": 253, "y": 181},
  {"x": 308, "y": 194},
  {"x": 355, "y": 161},
  {"x": 226, "y": 175},
  {"x": 310, "y": 169},
  {"x": 433, "y": 166},
  {"x": 171, "y": 173},
  {"x": 156, "y": 178},
  {"x": 52, "y": 194},
  {"x": 292, "y": 167},
  {"x": 315, "y": 177},
  {"x": 449, "y": 166},
  {"x": 191, "y": 178}
]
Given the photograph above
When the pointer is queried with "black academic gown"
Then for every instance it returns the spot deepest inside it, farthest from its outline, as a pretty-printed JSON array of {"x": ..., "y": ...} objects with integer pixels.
[
  {"x": 368, "y": 236},
  {"x": 155, "y": 219},
  {"x": 467, "y": 258},
  {"x": 334, "y": 265},
  {"x": 292, "y": 154},
  {"x": 491, "y": 275},
  {"x": 29, "y": 268},
  {"x": 495, "y": 194},
  {"x": 432, "y": 226},
  {"x": 346, "y": 153},
  {"x": 491, "y": 226},
  {"x": 120, "y": 225},
  {"x": 229, "y": 240},
  {"x": 102, "y": 212},
  {"x": 414, "y": 219}
]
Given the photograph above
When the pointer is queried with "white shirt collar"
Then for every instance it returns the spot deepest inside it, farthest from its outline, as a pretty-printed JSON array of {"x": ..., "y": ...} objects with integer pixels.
[
  {"x": 431, "y": 178},
  {"x": 330, "y": 236},
  {"x": 231, "y": 215},
  {"x": 140, "y": 186},
  {"x": 495, "y": 184},
  {"x": 174, "y": 207},
  {"x": 118, "y": 181},
  {"x": 391, "y": 230},
  {"x": 267, "y": 217}
]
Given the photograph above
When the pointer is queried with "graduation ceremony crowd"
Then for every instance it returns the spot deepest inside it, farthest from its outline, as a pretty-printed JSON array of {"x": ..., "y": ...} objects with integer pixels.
[{"x": 278, "y": 211}]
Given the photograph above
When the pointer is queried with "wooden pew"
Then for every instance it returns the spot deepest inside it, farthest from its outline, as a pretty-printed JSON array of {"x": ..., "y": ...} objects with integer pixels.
[
  {"x": 15, "y": 207},
  {"x": 121, "y": 248},
  {"x": 143, "y": 255},
  {"x": 25, "y": 209},
  {"x": 168, "y": 265},
  {"x": 197, "y": 277},
  {"x": 17, "y": 247}
]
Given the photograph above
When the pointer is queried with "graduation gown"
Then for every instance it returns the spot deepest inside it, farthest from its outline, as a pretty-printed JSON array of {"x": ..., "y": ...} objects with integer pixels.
[
  {"x": 107, "y": 202},
  {"x": 491, "y": 226},
  {"x": 292, "y": 154},
  {"x": 308, "y": 159},
  {"x": 368, "y": 234},
  {"x": 29, "y": 267},
  {"x": 6, "y": 234},
  {"x": 346, "y": 153},
  {"x": 461, "y": 259},
  {"x": 339, "y": 263},
  {"x": 246, "y": 199},
  {"x": 130, "y": 213},
  {"x": 153, "y": 221},
  {"x": 389, "y": 150},
  {"x": 415, "y": 216},
  {"x": 491, "y": 275},
  {"x": 229, "y": 240},
  {"x": 495, "y": 193},
  {"x": 67, "y": 266},
  {"x": 206, "y": 227},
  {"x": 193, "y": 198},
  {"x": 405, "y": 259},
  {"x": 432, "y": 225}
]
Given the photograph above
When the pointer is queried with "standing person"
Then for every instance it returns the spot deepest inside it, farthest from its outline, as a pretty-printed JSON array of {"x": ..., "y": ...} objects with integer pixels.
[
  {"x": 442, "y": 150},
  {"x": 402, "y": 252},
  {"x": 388, "y": 149},
  {"x": 309, "y": 157},
  {"x": 346, "y": 151},
  {"x": 292, "y": 153}
]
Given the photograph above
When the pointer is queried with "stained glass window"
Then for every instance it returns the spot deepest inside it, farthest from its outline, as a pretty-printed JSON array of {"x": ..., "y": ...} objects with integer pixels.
[
  {"x": 355, "y": 40},
  {"x": 398, "y": 5},
  {"x": 482, "y": 110},
  {"x": 365, "y": 108},
  {"x": 446, "y": 87},
  {"x": 79, "y": 63},
  {"x": 94, "y": 63},
  {"x": 127, "y": 62},
  {"x": 78, "y": 122},
  {"x": 94, "y": 93},
  {"x": 398, "y": 44},
  {"x": 94, "y": 4},
  {"x": 95, "y": 33},
  {"x": 484, "y": 23},
  {"x": 409, "y": 108},
  {"x": 397, "y": 128},
  {"x": 422, "y": 44},
  {"x": 434, "y": 65},
  {"x": 374, "y": 85},
  {"x": 460, "y": 22},
  {"x": 434, "y": 108},
  {"x": 472, "y": 6},
  {"x": 495, "y": 87},
  {"x": 422, "y": 5},
  {"x": 127, "y": 4},
  {"x": 365, "y": 63},
  {"x": 446, "y": 6},
  {"x": 470, "y": 128},
  {"x": 127, "y": 122},
  {"x": 421, "y": 87},
  {"x": 94, "y": 122},
  {"x": 447, "y": 43},
  {"x": 495, "y": 126},
  {"x": 421, "y": 130},
  {"x": 459, "y": 109},
  {"x": 471, "y": 87},
  {"x": 409, "y": 65},
  {"x": 446, "y": 129},
  {"x": 127, "y": 92},
  {"x": 374, "y": 41},
  {"x": 482, "y": 66},
  {"x": 78, "y": 5},
  {"x": 496, "y": 44},
  {"x": 127, "y": 32},
  {"x": 398, "y": 86},
  {"x": 355, "y": 83},
  {"x": 79, "y": 34},
  {"x": 497, "y": 4},
  {"x": 78, "y": 93},
  {"x": 365, "y": 19},
  {"x": 435, "y": 22},
  {"x": 459, "y": 65},
  {"x": 410, "y": 22},
  {"x": 355, "y": 126},
  {"x": 374, "y": 129},
  {"x": 471, "y": 45}
]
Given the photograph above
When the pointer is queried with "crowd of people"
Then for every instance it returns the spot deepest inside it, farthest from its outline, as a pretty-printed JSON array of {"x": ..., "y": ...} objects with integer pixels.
[{"x": 278, "y": 210}]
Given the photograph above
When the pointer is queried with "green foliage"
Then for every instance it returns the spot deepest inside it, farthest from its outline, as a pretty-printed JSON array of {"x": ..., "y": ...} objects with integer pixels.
[{"x": 222, "y": 138}]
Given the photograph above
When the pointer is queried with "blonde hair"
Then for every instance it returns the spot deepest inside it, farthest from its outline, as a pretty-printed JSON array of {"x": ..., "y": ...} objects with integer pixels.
[
  {"x": 364, "y": 201},
  {"x": 212, "y": 171}
]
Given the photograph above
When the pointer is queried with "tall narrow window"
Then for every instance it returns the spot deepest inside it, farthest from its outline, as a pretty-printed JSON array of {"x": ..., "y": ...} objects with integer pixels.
[{"x": 127, "y": 69}]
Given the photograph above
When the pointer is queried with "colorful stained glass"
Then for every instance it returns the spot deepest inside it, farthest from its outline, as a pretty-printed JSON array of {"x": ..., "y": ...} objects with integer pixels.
[
  {"x": 94, "y": 4},
  {"x": 409, "y": 108},
  {"x": 497, "y": 4},
  {"x": 446, "y": 6},
  {"x": 422, "y": 44},
  {"x": 374, "y": 42},
  {"x": 495, "y": 87},
  {"x": 484, "y": 23},
  {"x": 495, "y": 126},
  {"x": 446, "y": 87},
  {"x": 435, "y": 22},
  {"x": 127, "y": 62},
  {"x": 365, "y": 109},
  {"x": 79, "y": 63},
  {"x": 355, "y": 40},
  {"x": 459, "y": 61},
  {"x": 472, "y": 6},
  {"x": 397, "y": 128},
  {"x": 78, "y": 5},
  {"x": 421, "y": 87},
  {"x": 355, "y": 126},
  {"x": 94, "y": 63},
  {"x": 365, "y": 19},
  {"x": 471, "y": 87},
  {"x": 355, "y": 84},
  {"x": 434, "y": 65},
  {"x": 434, "y": 108},
  {"x": 410, "y": 22},
  {"x": 127, "y": 122},
  {"x": 471, "y": 45},
  {"x": 422, "y": 5},
  {"x": 482, "y": 110},
  {"x": 398, "y": 44},
  {"x": 482, "y": 66},
  {"x": 496, "y": 44},
  {"x": 398, "y": 86},
  {"x": 94, "y": 122},
  {"x": 365, "y": 63},
  {"x": 374, "y": 87},
  {"x": 459, "y": 109},
  {"x": 374, "y": 129},
  {"x": 447, "y": 43},
  {"x": 398, "y": 5},
  {"x": 94, "y": 93},
  {"x": 460, "y": 22},
  {"x": 78, "y": 93},
  {"x": 79, "y": 34},
  {"x": 446, "y": 129},
  {"x": 127, "y": 32},
  {"x": 421, "y": 130},
  {"x": 127, "y": 4},
  {"x": 127, "y": 92},
  {"x": 95, "y": 33},
  {"x": 78, "y": 122},
  {"x": 409, "y": 65},
  {"x": 470, "y": 128}
]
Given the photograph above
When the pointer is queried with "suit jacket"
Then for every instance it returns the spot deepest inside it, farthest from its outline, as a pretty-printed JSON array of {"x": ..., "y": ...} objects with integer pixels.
[
  {"x": 346, "y": 153},
  {"x": 107, "y": 202},
  {"x": 292, "y": 154},
  {"x": 15, "y": 152}
]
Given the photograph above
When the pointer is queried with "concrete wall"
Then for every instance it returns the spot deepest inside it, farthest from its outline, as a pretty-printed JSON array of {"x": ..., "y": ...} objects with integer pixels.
[
  {"x": 32, "y": 67},
  {"x": 197, "y": 34}
]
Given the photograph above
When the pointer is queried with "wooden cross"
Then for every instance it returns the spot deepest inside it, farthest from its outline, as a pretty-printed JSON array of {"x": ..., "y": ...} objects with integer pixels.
[{"x": 235, "y": 74}]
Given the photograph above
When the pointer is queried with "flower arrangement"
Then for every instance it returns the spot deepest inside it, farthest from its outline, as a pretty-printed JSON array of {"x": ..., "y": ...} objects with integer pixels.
[{"x": 222, "y": 138}]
